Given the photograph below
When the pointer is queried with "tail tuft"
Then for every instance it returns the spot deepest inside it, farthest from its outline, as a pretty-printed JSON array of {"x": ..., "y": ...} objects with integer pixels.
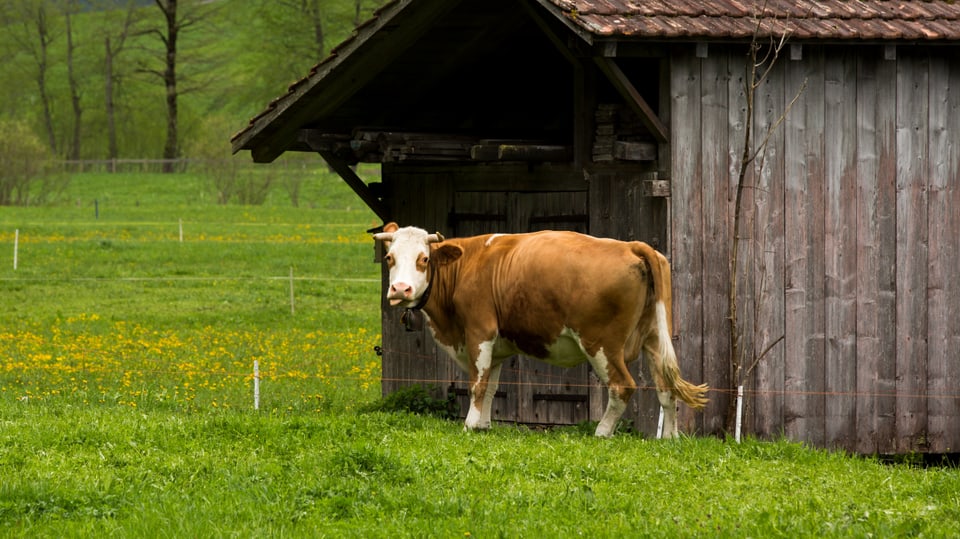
[{"x": 694, "y": 396}]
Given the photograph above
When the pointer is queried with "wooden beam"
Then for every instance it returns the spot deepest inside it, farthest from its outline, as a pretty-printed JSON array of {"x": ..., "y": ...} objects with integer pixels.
[
  {"x": 356, "y": 183},
  {"x": 634, "y": 151},
  {"x": 633, "y": 98},
  {"x": 703, "y": 49},
  {"x": 796, "y": 51},
  {"x": 655, "y": 188},
  {"x": 889, "y": 52},
  {"x": 521, "y": 151}
]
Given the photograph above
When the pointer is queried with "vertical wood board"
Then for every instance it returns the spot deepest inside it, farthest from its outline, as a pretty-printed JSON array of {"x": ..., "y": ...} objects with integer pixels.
[
  {"x": 911, "y": 330},
  {"x": 719, "y": 86},
  {"x": 876, "y": 251},
  {"x": 686, "y": 214},
  {"x": 803, "y": 253},
  {"x": 840, "y": 261},
  {"x": 768, "y": 270},
  {"x": 943, "y": 359}
]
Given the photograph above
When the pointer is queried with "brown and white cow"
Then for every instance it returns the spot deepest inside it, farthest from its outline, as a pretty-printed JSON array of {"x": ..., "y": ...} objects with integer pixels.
[{"x": 561, "y": 297}]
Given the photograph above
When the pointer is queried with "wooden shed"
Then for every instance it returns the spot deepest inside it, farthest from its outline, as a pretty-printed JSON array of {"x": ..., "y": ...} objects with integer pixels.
[{"x": 626, "y": 119}]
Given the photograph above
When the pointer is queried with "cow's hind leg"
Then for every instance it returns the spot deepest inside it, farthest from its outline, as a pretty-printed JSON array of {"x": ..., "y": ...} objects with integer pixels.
[
  {"x": 668, "y": 402},
  {"x": 620, "y": 387}
]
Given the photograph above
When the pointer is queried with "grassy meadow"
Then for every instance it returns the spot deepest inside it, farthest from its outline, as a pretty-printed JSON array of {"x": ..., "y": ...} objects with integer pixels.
[{"x": 126, "y": 400}]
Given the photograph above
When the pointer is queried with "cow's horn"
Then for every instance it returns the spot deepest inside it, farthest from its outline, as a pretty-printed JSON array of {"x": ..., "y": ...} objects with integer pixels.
[
  {"x": 383, "y": 236},
  {"x": 435, "y": 238}
]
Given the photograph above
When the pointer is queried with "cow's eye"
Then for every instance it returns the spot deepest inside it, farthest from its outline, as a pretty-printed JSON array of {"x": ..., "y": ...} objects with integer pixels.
[{"x": 388, "y": 259}]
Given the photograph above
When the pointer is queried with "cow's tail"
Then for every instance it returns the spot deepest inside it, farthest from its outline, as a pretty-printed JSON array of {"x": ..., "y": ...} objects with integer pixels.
[{"x": 693, "y": 395}]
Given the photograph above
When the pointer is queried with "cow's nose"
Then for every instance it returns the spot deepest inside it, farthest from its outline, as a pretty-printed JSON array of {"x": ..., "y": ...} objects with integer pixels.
[{"x": 401, "y": 289}]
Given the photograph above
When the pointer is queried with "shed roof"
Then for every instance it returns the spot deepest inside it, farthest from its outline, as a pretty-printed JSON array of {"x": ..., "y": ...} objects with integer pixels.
[
  {"x": 376, "y": 46},
  {"x": 917, "y": 20}
]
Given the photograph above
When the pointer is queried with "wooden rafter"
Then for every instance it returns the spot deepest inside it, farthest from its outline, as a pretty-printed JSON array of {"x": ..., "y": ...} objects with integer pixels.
[
  {"x": 356, "y": 183},
  {"x": 633, "y": 98}
]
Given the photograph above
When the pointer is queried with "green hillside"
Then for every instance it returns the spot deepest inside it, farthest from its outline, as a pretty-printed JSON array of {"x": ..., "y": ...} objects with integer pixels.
[{"x": 233, "y": 57}]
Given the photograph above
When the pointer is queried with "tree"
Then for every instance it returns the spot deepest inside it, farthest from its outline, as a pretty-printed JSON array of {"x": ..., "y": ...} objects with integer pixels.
[
  {"x": 70, "y": 8},
  {"x": 113, "y": 46},
  {"x": 177, "y": 19},
  {"x": 302, "y": 30},
  {"x": 761, "y": 58},
  {"x": 32, "y": 33}
]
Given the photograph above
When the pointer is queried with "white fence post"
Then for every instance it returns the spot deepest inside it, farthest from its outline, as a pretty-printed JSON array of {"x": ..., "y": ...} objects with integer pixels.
[
  {"x": 739, "y": 411},
  {"x": 16, "y": 248},
  {"x": 256, "y": 385},
  {"x": 293, "y": 309}
]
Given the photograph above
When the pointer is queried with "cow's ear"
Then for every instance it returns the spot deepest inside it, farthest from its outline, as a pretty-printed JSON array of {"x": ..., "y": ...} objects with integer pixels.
[
  {"x": 446, "y": 253},
  {"x": 390, "y": 227}
]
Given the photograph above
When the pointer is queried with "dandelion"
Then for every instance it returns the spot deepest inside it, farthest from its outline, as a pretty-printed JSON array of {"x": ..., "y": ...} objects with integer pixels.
[{"x": 88, "y": 359}]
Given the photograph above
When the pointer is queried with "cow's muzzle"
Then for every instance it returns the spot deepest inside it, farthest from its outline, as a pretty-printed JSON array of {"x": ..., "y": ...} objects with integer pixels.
[{"x": 399, "y": 293}]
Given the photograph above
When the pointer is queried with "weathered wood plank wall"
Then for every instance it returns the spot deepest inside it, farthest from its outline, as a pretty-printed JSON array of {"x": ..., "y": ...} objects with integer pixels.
[
  {"x": 943, "y": 366},
  {"x": 850, "y": 243},
  {"x": 687, "y": 102}
]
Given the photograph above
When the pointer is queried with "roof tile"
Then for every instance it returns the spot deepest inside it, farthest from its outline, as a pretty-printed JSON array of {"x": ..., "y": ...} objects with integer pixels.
[{"x": 924, "y": 20}]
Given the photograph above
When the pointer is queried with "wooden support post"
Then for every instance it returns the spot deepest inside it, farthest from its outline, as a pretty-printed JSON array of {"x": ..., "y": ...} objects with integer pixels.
[
  {"x": 356, "y": 183},
  {"x": 633, "y": 98}
]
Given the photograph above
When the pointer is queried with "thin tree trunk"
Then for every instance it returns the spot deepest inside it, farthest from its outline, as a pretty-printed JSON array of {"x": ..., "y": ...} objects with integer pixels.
[
  {"x": 112, "y": 50},
  {"x": 44, "y": 36},
  {"x": 112, "y": 150},
  {"x": 74, "y": 152},
  {"x": 736, "y": 359},
  {"x": 318, "y": 37},
  {"x": 171, "y": 148}
]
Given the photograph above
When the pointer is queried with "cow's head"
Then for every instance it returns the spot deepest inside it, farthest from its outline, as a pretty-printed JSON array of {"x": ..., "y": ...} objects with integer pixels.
[{"x": 408, "y": 257}]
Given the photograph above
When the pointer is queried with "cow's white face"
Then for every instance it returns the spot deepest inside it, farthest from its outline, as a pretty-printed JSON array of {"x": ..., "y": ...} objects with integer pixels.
[{"x": 408, "y": 260}]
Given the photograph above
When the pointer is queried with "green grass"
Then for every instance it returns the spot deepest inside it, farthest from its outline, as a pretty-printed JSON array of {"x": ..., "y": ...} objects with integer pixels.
[
  {"x": 85, "y": 471},
  {"x": 126, "y": 401}
]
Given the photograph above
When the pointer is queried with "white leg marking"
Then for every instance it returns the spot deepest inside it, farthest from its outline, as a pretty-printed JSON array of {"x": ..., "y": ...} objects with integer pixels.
[
  {"x": 599, "y": 364},
  {"x": 476, "y": 414},
  {"x": 669, "y": 404},
  {"x": 615, "y": 409},
  {"x": 489, "y": 396},
  {"x": 615, "y": 406},
  {"x": 473, "y": 417}
]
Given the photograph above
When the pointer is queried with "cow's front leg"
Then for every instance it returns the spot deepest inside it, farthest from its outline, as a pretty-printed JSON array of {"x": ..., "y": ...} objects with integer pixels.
[{"x": 484, "y": 378}]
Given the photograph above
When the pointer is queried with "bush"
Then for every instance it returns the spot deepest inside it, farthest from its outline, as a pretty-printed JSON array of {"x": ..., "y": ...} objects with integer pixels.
[
  {"x": 419, "y": 400},
  {"x": 211, "y": 150},
  {"x": 24, "y": 160}
]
